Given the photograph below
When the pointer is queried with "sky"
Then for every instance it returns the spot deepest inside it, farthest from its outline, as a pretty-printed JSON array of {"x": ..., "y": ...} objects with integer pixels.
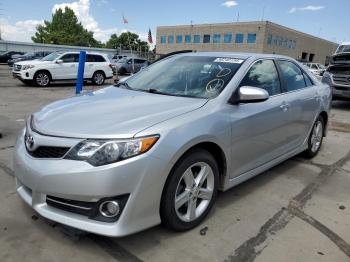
[{"x": 328, "y": 19}]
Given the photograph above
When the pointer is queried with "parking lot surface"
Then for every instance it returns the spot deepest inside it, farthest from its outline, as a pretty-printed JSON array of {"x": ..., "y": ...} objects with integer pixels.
[{"x": 297, "y": 211}]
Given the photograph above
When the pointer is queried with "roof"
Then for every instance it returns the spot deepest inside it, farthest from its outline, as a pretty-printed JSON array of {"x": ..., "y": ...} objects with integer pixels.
[{"x": 239, "y": 55}]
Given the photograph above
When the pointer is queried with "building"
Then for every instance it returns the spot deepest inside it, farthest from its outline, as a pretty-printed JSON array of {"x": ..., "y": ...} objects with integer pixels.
[{"x": 257, "y": 37}]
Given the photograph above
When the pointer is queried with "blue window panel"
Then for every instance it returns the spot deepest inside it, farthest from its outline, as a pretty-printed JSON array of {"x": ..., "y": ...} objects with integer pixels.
[
  {"x": 227, "y": 38},
  {"x": 170, "y": 39},
  {"x": 239, "y": 38},
  {"x": 206, "y": 39},
  {"x": 251, "y": 38},
  {"x": 163, "y": 39},
  {"x": 275, "y": 40},
  {"x": 179, "y": 39},
  {"x": 187, "y": 39},
  {"x": 269, "y": 39},
  {"x": 280, "y": 41},
  {"x": 217, "y": 38},
  {"x": 196, "y": 39}
]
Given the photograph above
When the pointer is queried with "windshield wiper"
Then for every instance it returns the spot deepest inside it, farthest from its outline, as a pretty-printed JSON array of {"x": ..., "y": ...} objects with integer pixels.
[
  {"x": 125, "y": 84},
  {"x": 155, "y": 91}
]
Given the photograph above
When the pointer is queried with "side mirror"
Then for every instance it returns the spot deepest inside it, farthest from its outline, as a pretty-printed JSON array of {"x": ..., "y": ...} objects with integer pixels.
[
  {"x": 250, "y": 94},
  {"x": 59, "y": 61}
]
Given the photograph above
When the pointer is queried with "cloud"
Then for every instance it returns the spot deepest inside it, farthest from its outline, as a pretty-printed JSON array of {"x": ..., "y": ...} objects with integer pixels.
[
  {"x": 229, "y": 4},
  {"x": 20, "y": 31},
  {"x": 24, "y": 30},
  {"x": 306, "y": 8}
]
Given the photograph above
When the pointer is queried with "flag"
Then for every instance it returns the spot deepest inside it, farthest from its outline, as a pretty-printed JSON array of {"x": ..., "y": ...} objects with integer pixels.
[
  {"x": 150, "y": 40},
  {"x": 125, "y": 21}
]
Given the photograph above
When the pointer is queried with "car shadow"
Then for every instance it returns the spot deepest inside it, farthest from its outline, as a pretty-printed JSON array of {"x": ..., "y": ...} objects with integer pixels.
[{"x": 341, "y": 104}]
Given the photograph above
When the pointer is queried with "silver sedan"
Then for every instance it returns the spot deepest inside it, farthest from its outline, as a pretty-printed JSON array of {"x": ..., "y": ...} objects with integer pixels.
[{"x": 158, "y": 146}]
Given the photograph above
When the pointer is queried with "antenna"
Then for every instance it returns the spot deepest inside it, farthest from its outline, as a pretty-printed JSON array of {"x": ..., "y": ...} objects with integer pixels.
[{"x": 263, "y": 13}]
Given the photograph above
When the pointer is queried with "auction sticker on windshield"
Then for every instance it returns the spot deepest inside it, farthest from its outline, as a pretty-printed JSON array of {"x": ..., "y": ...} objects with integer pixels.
[{"x": 228, "y": 60}]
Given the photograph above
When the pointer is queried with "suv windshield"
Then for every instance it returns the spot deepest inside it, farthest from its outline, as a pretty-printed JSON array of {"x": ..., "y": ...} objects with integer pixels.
[
  {"x": 51, "y": 57},
  {"x": 343, "y": 49},
  {"x": 190, "y": 76}
]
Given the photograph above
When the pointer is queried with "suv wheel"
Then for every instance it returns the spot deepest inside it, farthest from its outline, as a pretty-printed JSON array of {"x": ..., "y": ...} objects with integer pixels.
[
  {"x": 190, "y": 191},
  {"x": 98, "y": 78},
  {"x": 315, "y": 138},
  {"x": 42, "y": 79}
]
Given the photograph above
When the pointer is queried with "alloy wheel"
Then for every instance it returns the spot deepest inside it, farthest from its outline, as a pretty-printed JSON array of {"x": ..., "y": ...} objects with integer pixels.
[
  {"x": 98, "y": 79},
  {"x": 316, "y": 137},
  {"x": 42, "y": 79},
  {"x": 194, "y": 191}
]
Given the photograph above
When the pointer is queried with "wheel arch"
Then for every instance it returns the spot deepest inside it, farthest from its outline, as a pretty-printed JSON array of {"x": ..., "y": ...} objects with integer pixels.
[{"x": 43, "y": 70}]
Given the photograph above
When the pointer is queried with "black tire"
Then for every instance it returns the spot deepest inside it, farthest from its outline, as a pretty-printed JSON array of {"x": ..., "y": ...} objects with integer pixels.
[
  {"x": 98, "y": 78},
  {"x": 168, "y": 213},
  {"x": 313, "y": 151},
  {"x": 42, "y": 79},
  {"x": 122, "y": 71}
]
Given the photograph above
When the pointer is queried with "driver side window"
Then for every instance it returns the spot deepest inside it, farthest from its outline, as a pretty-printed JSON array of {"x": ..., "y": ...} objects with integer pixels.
[
  {"x": 263, "y": 74},
  {"x": 70, "y": 58}
]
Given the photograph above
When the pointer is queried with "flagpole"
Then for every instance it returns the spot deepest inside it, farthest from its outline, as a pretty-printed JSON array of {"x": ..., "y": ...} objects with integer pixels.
[{"x": 125, "y": 21}]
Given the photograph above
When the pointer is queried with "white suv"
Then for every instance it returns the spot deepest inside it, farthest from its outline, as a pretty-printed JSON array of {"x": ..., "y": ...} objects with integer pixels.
[{"x": 60, "y": 66}]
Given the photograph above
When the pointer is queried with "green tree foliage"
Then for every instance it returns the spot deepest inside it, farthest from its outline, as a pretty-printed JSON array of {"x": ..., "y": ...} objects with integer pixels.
[
  {"x": 64, "y": 29},
  {"x": 126, "y": 41}
]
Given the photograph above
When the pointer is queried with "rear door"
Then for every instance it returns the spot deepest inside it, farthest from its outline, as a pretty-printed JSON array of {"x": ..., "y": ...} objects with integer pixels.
[
  {"x": 301, "y": 99},
  {"x": 259, "y": 129}
]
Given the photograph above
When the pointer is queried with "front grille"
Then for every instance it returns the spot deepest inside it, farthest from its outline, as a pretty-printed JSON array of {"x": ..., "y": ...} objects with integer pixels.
[
  {"x": 49, "y": 152},
  {"x": 74, "y": 206},
  {"x": 17, "y": 67},
  {"x": 88, "y": 209},
  {"x": 341, "y": 80}
]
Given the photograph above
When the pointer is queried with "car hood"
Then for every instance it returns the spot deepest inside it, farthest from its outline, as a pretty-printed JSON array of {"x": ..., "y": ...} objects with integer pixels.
[
  {"x": 110, "y": 113},
  {"x": 33, "y": 62},
  {"x": 341, "y": 58}
]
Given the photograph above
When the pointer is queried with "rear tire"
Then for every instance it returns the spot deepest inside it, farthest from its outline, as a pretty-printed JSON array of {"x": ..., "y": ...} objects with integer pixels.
[
  {"x": 315, "y": 138},
  {"x": 42, "y": 79},
  {"x": 98, "y": 78},
  {"x": 190, "y": 191}
]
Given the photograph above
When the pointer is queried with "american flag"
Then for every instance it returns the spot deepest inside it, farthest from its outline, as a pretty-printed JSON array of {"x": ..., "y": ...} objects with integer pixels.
[
  {"x": 150, "y": 40},
  {"x": 125, "y": 21}
]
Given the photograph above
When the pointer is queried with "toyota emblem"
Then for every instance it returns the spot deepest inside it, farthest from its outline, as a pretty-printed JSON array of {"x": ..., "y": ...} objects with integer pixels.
[{"x": 29, "y": 140}]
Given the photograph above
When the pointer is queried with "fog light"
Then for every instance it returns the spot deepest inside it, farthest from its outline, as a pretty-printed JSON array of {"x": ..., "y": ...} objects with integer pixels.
[{"x": 109, "y": 208}]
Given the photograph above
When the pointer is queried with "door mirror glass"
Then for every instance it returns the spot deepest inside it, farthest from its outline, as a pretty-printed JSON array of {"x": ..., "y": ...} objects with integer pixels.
[
  {"x": 250, "y": 94},
  {"x": 59, "y": 61}
]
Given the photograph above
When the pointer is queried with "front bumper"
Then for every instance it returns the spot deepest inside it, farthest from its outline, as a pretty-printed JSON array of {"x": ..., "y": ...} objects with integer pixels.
[
  {"x": 23, "y": 75},
  {"x": 141, "y": 177}
]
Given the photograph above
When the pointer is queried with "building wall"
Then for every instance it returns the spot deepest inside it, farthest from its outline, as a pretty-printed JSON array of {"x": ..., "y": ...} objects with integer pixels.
[
  {"x": 211, "y": 29},
  {"x": 304, "y": 43},
  {"x": 289, "y": 42}
]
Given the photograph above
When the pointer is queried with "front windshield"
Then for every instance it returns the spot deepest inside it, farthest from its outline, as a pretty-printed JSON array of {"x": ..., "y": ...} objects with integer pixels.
[
  {"x": 190, "y": 76},
  {"x": 343, "y": 49},
  {"x": 51, "y": 57}
]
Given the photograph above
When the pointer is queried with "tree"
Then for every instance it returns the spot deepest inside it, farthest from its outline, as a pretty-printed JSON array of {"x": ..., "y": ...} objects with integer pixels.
[
  {"x": 64, "y": 29},
  {"x": 126, "y": 41}
]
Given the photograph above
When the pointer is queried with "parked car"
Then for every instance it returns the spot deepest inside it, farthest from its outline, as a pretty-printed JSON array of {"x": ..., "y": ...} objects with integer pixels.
[
  {"x": 8, "y": 55},
  {"x": 130, "y": 65},
  {"x": 158, "y": 146},
  {"x": 27, "y": 57},
  {"x": 316, "y": 68},
  {"x": 60, "y": 66},
  {"x": 337, "y": 74},
  {"x": 117, "y": 57}
]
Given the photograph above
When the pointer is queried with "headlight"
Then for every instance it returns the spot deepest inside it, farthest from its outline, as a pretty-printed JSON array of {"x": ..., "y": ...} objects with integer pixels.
[
  {"x": 25, "y": 67},
  {"x": 103, "y": 152}
]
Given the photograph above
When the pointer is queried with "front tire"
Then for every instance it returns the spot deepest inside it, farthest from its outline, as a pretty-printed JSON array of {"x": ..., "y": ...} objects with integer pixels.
[
  {"x": 316, "y": 138},
  {"x": 98, "y": 78},
  {"x": 42, "y": 79},
  {"x": 190, "y": 191}
]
